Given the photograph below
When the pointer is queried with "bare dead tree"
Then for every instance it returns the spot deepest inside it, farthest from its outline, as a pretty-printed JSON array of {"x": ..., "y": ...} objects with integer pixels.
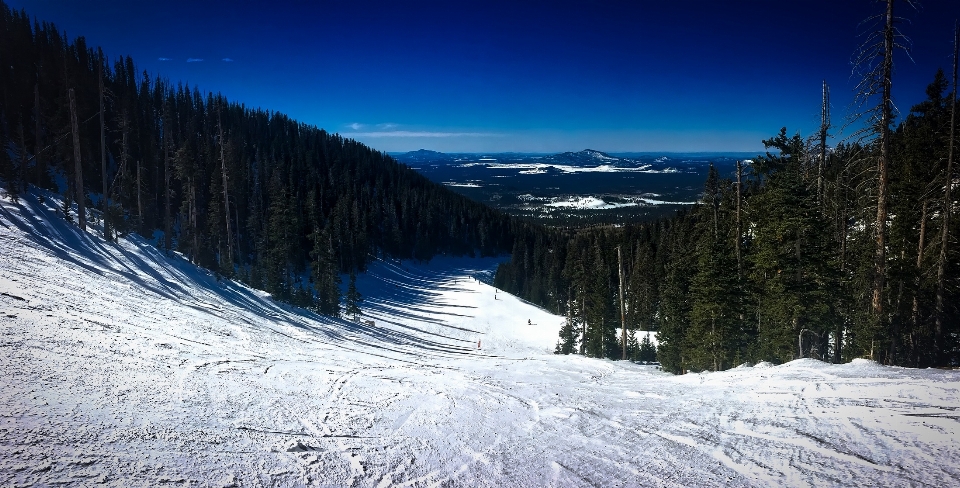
[
  {"x": 947, "y": 201},
  {"x": 875, "y": 58},
  {"x": 824, "y": 127}
]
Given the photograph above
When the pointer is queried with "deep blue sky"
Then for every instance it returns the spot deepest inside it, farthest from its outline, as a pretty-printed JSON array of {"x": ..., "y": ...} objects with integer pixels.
[{"x": 519, "y": 76}]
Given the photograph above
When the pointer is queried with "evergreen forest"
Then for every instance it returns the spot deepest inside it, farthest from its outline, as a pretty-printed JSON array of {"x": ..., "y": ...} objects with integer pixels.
[{"x": 251, "y": 194}]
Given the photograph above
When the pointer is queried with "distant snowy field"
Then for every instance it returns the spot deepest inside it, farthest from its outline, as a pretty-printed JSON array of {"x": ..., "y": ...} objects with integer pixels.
[{"x": 125, "y": 367}]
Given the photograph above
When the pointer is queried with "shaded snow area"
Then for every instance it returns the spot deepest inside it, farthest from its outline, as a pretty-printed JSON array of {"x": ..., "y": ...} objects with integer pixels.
[{"x": 127, "y": 367}]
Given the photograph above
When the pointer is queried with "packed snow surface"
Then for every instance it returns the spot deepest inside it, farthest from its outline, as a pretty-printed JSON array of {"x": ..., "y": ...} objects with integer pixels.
[{"x": 125, "y": 366}]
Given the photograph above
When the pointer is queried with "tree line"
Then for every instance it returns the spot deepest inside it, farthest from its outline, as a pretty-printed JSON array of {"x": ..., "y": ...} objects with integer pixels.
[{"x": 252, "y": 194}]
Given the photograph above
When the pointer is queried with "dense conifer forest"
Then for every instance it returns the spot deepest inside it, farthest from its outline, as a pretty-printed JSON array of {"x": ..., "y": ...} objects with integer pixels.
[
  {"x": 252, "y": 194},
  {"x": 775, "y": 262}
]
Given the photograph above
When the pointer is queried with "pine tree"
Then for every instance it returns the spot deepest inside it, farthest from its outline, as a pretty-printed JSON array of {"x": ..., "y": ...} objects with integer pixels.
[
  {"x": 674, "y": 296},
  {"x": 713, "y": 332},
  {"x": 712, "y": 336},
  {"x": 353, "y": 297},
  {"x": 569, "y": 335},
  {"x": 793, "y": 271},
  {"x": 647, "y": 351},
  {"x": 326, "y": 281}
]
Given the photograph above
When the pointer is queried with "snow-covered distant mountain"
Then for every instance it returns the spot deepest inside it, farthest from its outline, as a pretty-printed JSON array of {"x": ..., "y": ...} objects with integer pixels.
[
  {"x": 586, "y": 157},
  {"x": 575, "y": 188},
  {"x": 124, "y": 366}
]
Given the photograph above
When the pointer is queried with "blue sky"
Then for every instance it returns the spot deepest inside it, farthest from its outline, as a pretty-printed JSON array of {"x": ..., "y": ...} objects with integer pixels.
[{"x": 519, "y": 76}]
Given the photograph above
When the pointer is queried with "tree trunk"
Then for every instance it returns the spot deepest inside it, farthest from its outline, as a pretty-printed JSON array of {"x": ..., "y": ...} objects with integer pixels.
[
  {"x": 842, "y": 237},
  {"x": 623, "y": 317},
  {"x": 193, "y": 222},
  {"x": 915, "y": 308},
  {"x": 583, "y": 342},
  {"x": 713, "y": 342},
  {"x": 824, "y": 125},
  {"x": 125, "y": 152},
  {"x": 947, "y": 203},
  {"x": 139, "y": 197},
  {"x": 226, "y": 198},
  {"x": 739, "y": 229},
  {"x": 78, "y": 167},
  {"x": 880, "y": 258},
  {"x": 105, "y": 199},
  {"x": 167, "y": 221}
]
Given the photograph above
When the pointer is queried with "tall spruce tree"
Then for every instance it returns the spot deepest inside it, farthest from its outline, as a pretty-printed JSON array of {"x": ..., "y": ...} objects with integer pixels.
[
  {"x": 793, "y": 270},
  {"x": 353, "y": 298}
]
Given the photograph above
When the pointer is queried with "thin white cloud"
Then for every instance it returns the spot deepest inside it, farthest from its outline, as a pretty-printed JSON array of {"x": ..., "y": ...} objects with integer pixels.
[
  {"x": 388, "y": 125},
  {"x": 355, "y": 126},
  {"x": 164, "y": 59},
  {"x": 227, "y": 60},
  {"x": 194, "y": 60},
  {"x": 408, "y": 133}
]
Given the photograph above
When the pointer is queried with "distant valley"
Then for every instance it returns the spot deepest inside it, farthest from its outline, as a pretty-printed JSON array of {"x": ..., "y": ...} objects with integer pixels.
[{"x": 575, "y": 188}]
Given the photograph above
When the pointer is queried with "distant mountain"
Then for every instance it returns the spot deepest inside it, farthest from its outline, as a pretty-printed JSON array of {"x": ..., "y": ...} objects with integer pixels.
[
  {"x": 420, "y": 156},
  {"x": 589, "y": 157}
]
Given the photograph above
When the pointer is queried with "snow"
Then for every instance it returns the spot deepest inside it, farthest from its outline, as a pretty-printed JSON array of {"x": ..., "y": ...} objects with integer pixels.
[
  {"x": 596, "y": 203},
  {"x": 461, "y": 185},
  {"x": 651, "y": 201},
  {"x": 541, "y": 168},
  {"x": 123, "y": 366},
  {"x": 587, "y": 202}
]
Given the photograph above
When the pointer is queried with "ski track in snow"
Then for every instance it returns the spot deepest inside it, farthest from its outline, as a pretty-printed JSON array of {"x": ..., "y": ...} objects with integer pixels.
[{"x": 126, "y": 367}]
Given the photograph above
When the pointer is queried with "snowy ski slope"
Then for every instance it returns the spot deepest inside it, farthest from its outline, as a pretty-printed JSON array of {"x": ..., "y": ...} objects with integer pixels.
[{"x": 125, "y": 367}]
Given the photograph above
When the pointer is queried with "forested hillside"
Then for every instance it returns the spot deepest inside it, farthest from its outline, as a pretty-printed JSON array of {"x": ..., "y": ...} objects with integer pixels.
[
  {"x": 248, "y": 192},
  {"x": 776, "y": 262}
]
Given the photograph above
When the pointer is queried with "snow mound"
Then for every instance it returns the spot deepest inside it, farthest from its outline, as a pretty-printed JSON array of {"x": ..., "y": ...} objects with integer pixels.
[
  {"x": 865, "y": 364},
  {"x": 806, "y": 363}
]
